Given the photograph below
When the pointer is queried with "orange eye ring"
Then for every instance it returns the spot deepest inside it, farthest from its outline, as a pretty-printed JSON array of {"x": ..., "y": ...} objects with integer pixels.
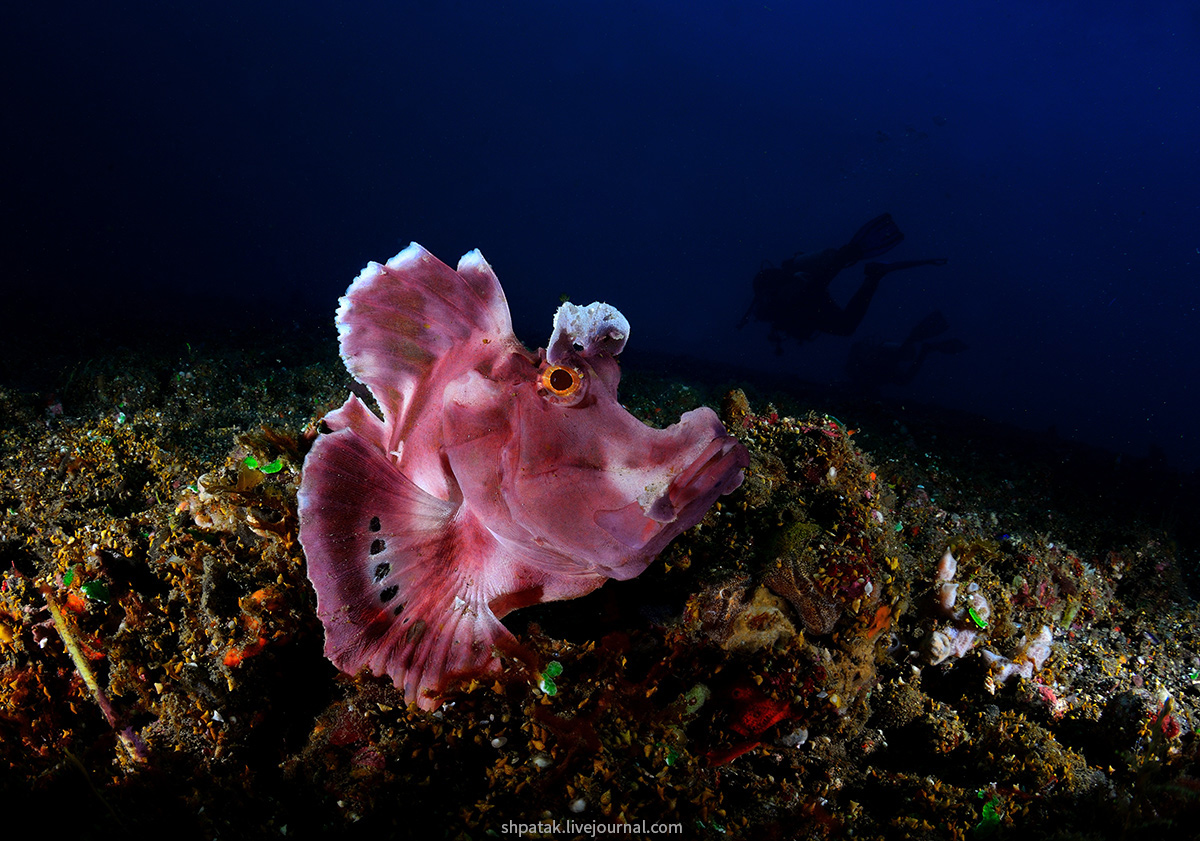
[{"x": 562, "y": 381}]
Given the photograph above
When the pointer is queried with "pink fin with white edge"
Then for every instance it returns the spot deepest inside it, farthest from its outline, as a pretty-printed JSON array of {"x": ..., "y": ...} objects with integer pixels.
[
  {"x": 401, "y": 576},
  {"x": 402, "y": 320}
]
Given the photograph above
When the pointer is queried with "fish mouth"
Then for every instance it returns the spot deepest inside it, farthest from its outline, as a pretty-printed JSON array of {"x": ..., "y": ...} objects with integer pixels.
[
  {"x": 645, "y": 529},
  {"x": 718, "y": 470}
]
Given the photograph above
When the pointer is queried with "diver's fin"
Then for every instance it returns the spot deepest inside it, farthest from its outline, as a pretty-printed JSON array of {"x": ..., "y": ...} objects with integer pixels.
[
  {"x": 934, "y": 324},
  {"x": 877, "y": 237}
]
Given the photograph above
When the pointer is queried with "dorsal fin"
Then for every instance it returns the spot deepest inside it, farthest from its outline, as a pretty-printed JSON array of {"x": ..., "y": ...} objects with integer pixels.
[{"x": 400, "y": 321}]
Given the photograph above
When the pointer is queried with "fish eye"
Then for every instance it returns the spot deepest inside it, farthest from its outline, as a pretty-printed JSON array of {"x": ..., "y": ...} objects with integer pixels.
[{"x": 562, "y": 382}]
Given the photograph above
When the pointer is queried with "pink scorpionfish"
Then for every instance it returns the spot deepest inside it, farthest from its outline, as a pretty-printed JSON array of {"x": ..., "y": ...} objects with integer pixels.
[{"x": 497, "y": 478}]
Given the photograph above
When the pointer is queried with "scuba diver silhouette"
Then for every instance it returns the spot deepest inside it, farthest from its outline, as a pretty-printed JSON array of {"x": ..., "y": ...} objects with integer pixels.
[
  {"x": 873, "y": 364},
  {"x": 794, "y": 298}
]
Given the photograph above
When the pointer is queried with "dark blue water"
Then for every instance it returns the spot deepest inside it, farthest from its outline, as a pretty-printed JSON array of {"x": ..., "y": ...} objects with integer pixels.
[{"x": 196, "y": 164}]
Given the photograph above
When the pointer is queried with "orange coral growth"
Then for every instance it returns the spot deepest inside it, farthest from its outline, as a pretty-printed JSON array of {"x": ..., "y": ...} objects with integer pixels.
[
  {"x": 234, "y": 656},
  {"x": 880, "y": 622},
  {"x": 75, "y": 603}
]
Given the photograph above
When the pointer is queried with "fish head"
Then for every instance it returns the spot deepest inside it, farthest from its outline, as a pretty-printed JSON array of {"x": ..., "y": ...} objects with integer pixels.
[{"x": 549, "y": 458}]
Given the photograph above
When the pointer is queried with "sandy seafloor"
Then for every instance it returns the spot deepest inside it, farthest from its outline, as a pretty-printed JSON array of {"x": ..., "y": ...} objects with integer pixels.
[{"x": 769, "y": 676}]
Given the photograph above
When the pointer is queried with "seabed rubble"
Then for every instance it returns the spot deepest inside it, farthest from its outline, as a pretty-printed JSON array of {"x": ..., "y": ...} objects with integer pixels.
[{"x": 793, "y": 667}]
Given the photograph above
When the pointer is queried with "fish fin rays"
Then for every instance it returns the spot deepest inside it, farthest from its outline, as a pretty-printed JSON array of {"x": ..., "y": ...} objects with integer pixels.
[
  {"x": 401, "y": 320},
  {"x": 400, "y": 575}
]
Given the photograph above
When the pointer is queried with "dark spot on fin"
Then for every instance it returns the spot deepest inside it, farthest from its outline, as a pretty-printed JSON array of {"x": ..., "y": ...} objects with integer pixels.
[
  {"x": 415, "y": 633},
  {"x": 389, "y": 593},
  {"x": 381, "y": 571},
  {"x": 374, "y": 524},
  {"x": 377, "y": 546},
  {"x": 399, "y": 609}
]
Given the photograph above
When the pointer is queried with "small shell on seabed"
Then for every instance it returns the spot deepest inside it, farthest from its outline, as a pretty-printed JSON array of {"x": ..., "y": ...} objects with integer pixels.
[{"x": 947, "y": 567}]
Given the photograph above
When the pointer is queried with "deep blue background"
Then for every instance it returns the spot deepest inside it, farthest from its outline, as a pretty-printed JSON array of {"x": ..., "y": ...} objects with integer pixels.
[{"x": 219, "y": 163}]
